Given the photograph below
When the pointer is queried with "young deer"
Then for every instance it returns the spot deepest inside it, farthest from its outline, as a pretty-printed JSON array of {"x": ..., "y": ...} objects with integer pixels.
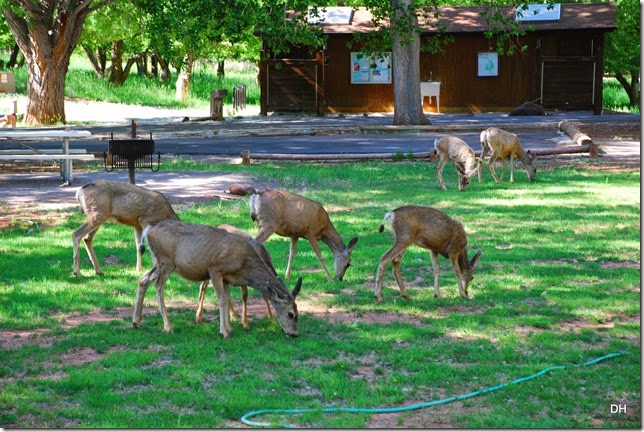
[
  {"x": 292, "y": 215},
  {"x": 455, "y": 149},
  {"x": 503, "y": 144},
  {"x": 123, "y": 203},
  {"x": 200, "y": 252},
  {"x": 430, "y": 229},
  {"x": 244, "y": 290}
]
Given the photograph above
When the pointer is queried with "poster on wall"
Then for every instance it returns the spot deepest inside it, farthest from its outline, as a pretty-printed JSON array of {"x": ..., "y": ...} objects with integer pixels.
[
  {"x": 371, "y": 68},
  {"x": 488, "y": 64}
]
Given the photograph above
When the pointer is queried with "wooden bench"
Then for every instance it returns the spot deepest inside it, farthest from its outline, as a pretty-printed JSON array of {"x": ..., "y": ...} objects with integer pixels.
[{"x": 64, "y": 155}]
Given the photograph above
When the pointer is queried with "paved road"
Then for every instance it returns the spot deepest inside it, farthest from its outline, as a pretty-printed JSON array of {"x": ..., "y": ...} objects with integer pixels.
[
  {"x": 321, "y": 144},
  {"x": 328, "y": 135}
]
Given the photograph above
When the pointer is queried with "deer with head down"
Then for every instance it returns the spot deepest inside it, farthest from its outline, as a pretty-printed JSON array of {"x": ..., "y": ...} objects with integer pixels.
[
  {"x": 124, "y": 203},
  {"x": 294, "y": 216},
  {"x": 430, "y": 229},
  {"x": 198, "y": 253},
  {"x": 450, "y": 148},
  {"x": 503, "y": 144}
]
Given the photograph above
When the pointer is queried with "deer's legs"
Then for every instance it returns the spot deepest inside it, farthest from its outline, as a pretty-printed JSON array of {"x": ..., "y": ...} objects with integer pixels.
[
  {"x": 138, "y": 232},
  {"x": 439, "y": 173},
  {"x": 291, "y": 256},
  {"x": 160, "y": 275},
  {"x": 244, "y": 318},
  {"x": 462, "y": 287},
  {"x": 144, "y": 283},
  {"x": 512, "y": 168},
  {"x": 318, "y": 253},
  {"x": 223, "y": 298},
  {"x": 397, "y": 249},
  {"x": 398, "y": 275},
  {"x": 436, "y": 269},
  {"x": 490, "y": 165},
  {"x": 85, "y": 232},
  {"x": 202, "y": 294},
  {"x": 160, "y": 285}
]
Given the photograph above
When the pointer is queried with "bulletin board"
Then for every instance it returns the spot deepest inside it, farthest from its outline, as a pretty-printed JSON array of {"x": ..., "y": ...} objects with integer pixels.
[
  {"x": 488, "y": 64},
  {"x": 371, "y": 68}
]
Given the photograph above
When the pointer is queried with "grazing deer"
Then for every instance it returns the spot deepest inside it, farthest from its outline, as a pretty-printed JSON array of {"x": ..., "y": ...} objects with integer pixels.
[
  {"x": 292, "y": 215},
  {"x": 503, "y": 144},
  {"x": 244, "y": 290},
  {"x": 455, "y": 149},
  {"x": 430, "y": 229},
  {"x": 200, "y": 252},
  {"x": 123, "y": 203}
]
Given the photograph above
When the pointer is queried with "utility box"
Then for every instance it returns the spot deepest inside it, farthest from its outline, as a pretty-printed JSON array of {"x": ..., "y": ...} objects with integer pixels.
[
  {"x": 7, "y": 82},
  {"x": 217, "y": 104}
]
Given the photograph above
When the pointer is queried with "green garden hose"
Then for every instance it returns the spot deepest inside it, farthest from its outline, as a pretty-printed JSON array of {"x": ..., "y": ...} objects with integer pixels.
[{"x": 245, "y": 418}]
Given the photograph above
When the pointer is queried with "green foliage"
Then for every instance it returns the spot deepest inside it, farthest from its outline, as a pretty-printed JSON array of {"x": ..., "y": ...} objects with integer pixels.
[{"x": 557, "y": 284}]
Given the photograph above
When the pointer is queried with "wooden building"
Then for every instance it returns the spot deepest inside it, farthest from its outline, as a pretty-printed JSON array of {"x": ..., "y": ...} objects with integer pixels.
[{"x": 561, "y": 69}]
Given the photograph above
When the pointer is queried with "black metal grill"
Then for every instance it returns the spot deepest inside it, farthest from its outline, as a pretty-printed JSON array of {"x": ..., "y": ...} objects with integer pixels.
[
  {"x": 138, "y": 151},
  {"x": 131, "y": 153}
]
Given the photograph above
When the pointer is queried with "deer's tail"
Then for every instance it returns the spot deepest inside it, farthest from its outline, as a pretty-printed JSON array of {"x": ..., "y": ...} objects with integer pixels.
[{"x": 388, "y": 215}]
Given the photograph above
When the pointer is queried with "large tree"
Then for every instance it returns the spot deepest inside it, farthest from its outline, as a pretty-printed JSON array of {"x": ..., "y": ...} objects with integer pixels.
[
  {"x": 623, "y": 49},
  {"x": 47, "y": 31}
]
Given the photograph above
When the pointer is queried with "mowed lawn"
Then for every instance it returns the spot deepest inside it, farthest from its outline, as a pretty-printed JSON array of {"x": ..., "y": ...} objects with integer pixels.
[{"x": 558, "y": 284}]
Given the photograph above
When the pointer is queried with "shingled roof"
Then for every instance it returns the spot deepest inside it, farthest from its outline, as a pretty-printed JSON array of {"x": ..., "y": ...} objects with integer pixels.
[{"x": 574, "y": 16}]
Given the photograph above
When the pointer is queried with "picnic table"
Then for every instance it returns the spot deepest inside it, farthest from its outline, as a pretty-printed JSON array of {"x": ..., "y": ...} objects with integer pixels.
[{"x": 64, "y": 155}]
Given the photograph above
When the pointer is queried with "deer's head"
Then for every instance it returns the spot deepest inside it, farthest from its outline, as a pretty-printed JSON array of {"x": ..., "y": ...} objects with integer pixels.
[
  {"x": 283, "y": 303},
  {"x": 531, "y": 166},
  {"x": 342, "y": 260}
]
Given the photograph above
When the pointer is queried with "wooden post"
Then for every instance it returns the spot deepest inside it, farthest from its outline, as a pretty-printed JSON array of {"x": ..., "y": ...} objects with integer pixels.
[
  {"x": 245, "y": 155},
  {"x": 133, "y": 128}
]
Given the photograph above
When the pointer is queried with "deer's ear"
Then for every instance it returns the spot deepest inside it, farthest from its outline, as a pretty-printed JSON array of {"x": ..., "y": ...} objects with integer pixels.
[
  {"x": 352, "y": 244},
  {"x": 475, "y": 259},
  {"x": 296, "y": 290}
]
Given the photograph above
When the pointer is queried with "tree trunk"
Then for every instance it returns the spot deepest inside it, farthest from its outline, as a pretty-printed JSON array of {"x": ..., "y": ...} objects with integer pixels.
[
  {"x": 164, "y": 74},
  {"x": 408, "y": 105},
  {"x": 47, "y": 34},
  {"x": 632, "y": 88},
  {"x": 116, "y": 70},
  {"x": 220, "y": 69},
  {"x": 13, "y": 57},
  {"x": 98, "y": 60}
]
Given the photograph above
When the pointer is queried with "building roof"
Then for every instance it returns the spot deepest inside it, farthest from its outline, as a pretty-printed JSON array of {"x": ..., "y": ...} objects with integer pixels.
[{"x": 474, "y": 19}]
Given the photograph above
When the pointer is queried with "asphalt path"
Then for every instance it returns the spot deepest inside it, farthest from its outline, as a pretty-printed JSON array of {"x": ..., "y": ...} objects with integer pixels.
[{"x": 306, "y": 144}]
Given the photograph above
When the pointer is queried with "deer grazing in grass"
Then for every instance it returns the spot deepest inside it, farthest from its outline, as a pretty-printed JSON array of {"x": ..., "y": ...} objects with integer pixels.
[
  {"x": 292, "y": 215},
  {"x": 244, "y": 290},
  {"x": 198, "y": 253},
  {"x": 124, "y": 203},
  {"x": 449, "y": 148},
  {"x": 503, "y": 144},
  {"x": 430, "y": 229}
]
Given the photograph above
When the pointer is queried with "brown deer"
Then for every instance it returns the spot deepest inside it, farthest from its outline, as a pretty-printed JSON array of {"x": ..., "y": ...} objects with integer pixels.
[
  {"x": 124, "y": 203},
  {"x": 244, "y": 290},
  {"x": 503, "y": 144},
  {"x": 450, "y": 148},
  {"x": 198, "y": 253},
  {"x": 294, "y": 216},
  {"x": 430, "y": 229}
]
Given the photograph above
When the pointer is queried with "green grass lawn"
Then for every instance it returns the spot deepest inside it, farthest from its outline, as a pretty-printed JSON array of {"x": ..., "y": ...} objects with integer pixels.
[{"x": 558, "y": 284}]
